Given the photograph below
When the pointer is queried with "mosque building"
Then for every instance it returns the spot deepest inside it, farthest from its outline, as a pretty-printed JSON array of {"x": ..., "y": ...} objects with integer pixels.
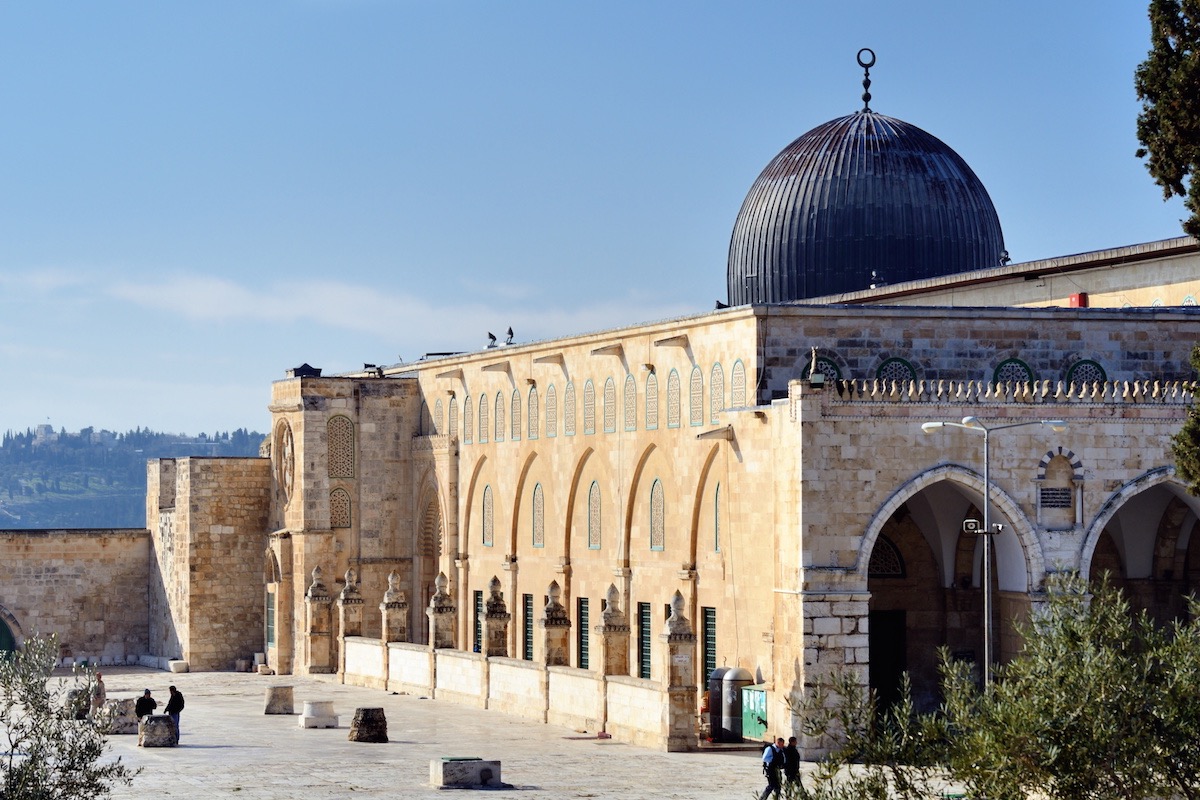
[{"x": 581, "y": 530}]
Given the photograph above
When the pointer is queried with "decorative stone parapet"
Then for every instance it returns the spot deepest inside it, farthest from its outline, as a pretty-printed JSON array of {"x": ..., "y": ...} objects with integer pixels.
[
  {"x": 394, "y": 611},
  {"x": 350, "y": 607},
  {"x": 612, "y": 636},
  {"x": 942, "y": 391},
  {"x": 495, "y": 621},
  {"x": 555, "y": 623},
  {"x": 441, "y": 612},
  {"x": 318, "y": 607}
]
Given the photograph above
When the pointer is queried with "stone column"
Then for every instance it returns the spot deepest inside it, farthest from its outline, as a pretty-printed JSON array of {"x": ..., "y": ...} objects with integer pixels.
[
  {"x": 350, "y": 617},
  {"x": 679, "y": 712},
  {"x": 441, "y": 614},
  {"x": 556, "y": 629},
  {"x": 495, "y": 621},
  {"x": 318, "y": 612},
  {"x": 394, "y": 610},
  {"x": 612, "y": 636}
]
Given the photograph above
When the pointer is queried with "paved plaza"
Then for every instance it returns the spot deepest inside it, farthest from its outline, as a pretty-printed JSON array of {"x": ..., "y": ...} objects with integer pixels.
[{"x": 230, "y": 748}]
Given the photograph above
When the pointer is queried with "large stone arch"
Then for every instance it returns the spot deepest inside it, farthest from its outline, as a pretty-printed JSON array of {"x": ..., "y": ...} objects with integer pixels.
[
  {"x": 13, "y": 625},
  {"x": 1018, "y": 543},
  {"x": 631, "y": 502},
  {"x": 572, "y": 494},
  {"x": 698, "y": 501},
  {"x": 518, "y": 500}
]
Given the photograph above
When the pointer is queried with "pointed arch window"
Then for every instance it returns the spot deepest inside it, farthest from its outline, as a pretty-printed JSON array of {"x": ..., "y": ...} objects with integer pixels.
[
  {"x": 886, "y": 561},
  {"x": 515, "y": 418},
  {"x": 488, "y": 526},
  {"x": 673, "y": 400},
  {"x": 737, "y": 386},
  {"x": 589, "y": 408},
  {"x": 452, "y": 417},
  {"x": 483, "y": 418},
  {"x": 593, "y": 529},
  {"x": 610, "y": 406},
  {"x": 569, "y": 410},
  {"x": 532, "y": 411},
  {"x": 339, "y": 434},
  {"x": 438, "y": 417},
  {"x": 539, "y": 516},
  {"x": 696, "y": 398},
  {"x": 717, "y": 519},
  {"x": 651, "y": 402},
  {"x": 499, "y": 417},
  {"x": 339, "y": 509},
  {"x": 658, "y": 514},
  {"x": 716, "y": 392},
  {"x": 551, "y": 412},
  {"x": 468, "y": 432},
  {"x": 630, "y": 403}
]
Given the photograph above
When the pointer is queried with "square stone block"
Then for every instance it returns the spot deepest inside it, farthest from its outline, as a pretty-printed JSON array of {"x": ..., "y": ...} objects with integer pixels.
[{"x": 450, "y": 772}]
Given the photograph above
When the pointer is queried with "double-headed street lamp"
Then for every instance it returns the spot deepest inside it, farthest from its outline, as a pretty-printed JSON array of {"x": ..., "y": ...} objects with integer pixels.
[{"x": 973, "y": 424}]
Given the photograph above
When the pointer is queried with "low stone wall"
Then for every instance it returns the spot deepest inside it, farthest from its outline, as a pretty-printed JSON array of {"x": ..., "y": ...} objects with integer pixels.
[
  {"x": 461, "y": 677},
  {"x": 410, "y": 668},
  {"x": 517, "y": 687},
  {"x": 365, "y": 662},
  {"x": 576, "y": 699},
  {"x": 636, "y": 711}
]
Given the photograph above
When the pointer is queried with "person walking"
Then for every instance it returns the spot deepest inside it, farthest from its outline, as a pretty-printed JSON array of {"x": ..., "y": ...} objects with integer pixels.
[
  {"x": 99, "y": 694},
  {"x": 174, "y": 706},
  {"x": 791, "y": 762},
  {"x": 145, "y": 705},
  {"x": 772, "y": 764}
]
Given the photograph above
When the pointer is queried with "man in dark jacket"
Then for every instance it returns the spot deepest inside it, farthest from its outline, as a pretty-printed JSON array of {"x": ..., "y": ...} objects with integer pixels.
[
  {"x": 791, "y": 762},
  {"x": 145, "y": 705},
  {"x": 174, "y": 706}
]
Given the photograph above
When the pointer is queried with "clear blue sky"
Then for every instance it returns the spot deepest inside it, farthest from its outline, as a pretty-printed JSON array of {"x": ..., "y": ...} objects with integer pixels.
[{"x": 195, "y": 197}]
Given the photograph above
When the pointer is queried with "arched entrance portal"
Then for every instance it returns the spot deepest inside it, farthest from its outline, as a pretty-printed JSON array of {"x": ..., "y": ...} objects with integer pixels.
[
  {"x": 429, "y": 551},
  {"x": 1148, "y": 548},
  {"x": 924, "y": 576},
  {"x": 8, "y": 642}
]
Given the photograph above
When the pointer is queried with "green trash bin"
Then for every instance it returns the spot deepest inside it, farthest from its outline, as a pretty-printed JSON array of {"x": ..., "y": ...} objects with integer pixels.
[{"x": 754, "y": 712}]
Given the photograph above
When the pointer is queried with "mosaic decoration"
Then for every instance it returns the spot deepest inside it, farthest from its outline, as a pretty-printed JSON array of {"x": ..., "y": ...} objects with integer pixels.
[
  {"x": 630, "y": 403},
  {"x": 551, "y": 412},
  {"x": 716, "y": 392},
  {"x": 488, "y": 529},
  {"x": 499, "y": 418},
  {"x": 658, "y": 513},
  {"x": 651, "y": 402},
  {"x": 483, "y": 419},
  {"x": 610, "y": 406},
  {"x": 515, "y": 417},
  {"x": 593, "y": 529},
  {"x": 467, "y": 421},
  {"x": 589, "y": 408},
  {"x": 569, "y": 410},
  {"x": 539, "y": 517},
  {"x": 673, "y": 400},
  {"x": 452, "y": 417},
  {"x": 737, "y": 386},
  {"x": 696, "y": 398},
  {"x": 533, "y": 412}
]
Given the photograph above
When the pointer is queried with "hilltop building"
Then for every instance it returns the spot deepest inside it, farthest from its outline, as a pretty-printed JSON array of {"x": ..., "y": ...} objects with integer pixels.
[{"x": 581, "y": 529}]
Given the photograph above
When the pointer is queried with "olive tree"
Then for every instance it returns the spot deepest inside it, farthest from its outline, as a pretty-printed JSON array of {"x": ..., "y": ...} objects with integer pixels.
[{"x": 49, "y": 753}]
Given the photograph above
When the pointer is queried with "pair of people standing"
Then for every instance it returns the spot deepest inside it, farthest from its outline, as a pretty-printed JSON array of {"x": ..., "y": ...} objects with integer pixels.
[
  {"x": 780, "y": 761},
  {"x": 146, "y": 704}
]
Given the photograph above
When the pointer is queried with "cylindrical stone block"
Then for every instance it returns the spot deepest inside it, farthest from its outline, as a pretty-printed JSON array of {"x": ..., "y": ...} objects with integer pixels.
[
  {"x": 369, "y": 725},
  {"x": 279, "y": 700}
]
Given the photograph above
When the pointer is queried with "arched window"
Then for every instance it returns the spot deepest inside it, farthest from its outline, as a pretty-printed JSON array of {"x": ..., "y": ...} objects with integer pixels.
[
  {"x": 895, "y": 370},
  {"x": 886, "y": 561},
  {"x": 569, "y": 410},
  {"x": 438, "y": 417},
  {"x": 1057, "y": 477},
  {"x": 551, "y": 412},
  {"x": 339, "y": 433},
  {"x": 717, "y": 519},
  {"x": 453, "y": 417},
  {"x": 716, "y": 392},
  {"x": 593, "y": 519},
  {"x": 630, "y": 403},
  {"x": 539, "y": 517},
  {"x": 737, "y": 386},
  {"x": 468, "y": 431},
  {"x": 515, "y": 420},
  {"x": 673, "y": 400},
  {"x": 1086, "y": 372},
  {"x": 696, "y": 398},
  {"x": 1013, "y": 370},
  {"x": 610, "y": 406},
  {"x": 589, "y": 408},
  {"x": 483, "y": 419},
  {"x": 651, "y": 402},
  {"x": 533, "y": 412},
  {"x": 488, "y": 529},
  {"x": 499, "y": 417},
  {"x": 339, "y": 509},
  {"x": 658, "y": 514}
]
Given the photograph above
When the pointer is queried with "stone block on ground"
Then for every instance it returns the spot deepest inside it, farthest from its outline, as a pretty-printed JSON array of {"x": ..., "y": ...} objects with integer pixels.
[
  {"x": 121, "y": 716},
  {"x": 464, "y": 773},
  {"x": 318, "y": 714},
  {"x": 175, "y": 665},
  {"x": 369, "y": 725},
  {"x": 279, "y": 700},
  {"x": 157, "y": 730}
]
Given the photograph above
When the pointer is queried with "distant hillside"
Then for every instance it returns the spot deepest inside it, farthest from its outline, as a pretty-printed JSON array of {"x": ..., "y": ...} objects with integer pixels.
[{"x": 93, "y": 479}]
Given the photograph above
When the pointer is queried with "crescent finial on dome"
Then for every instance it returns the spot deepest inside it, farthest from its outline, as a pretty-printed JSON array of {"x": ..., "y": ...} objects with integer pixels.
[{"x": 866, "y": 64}]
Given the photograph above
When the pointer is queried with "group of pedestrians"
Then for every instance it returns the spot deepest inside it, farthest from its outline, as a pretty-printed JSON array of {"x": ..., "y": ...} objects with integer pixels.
[
  {"x": 780, "y": 762},
  {"x": 146, "y": 704}
]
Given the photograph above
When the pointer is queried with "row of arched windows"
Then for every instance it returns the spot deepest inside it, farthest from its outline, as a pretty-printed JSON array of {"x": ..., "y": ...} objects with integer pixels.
[
  {"x": 1010, "y": 370},
  {"x": 498, "y": 418},
  {"x": 658, "y": 534}
]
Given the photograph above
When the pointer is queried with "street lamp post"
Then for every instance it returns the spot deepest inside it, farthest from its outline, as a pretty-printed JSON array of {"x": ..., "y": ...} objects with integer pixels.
[{"x": 973, "y": 424}]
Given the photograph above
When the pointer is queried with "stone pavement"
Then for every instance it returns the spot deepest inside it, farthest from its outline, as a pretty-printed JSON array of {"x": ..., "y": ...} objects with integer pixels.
[{"x": 229, "y": 748}]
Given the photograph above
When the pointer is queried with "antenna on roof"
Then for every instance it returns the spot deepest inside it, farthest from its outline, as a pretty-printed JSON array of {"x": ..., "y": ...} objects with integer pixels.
[{"x": 866, "y": 65}]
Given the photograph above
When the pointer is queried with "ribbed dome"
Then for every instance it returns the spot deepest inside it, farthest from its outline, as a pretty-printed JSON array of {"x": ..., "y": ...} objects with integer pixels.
[{"x": 859, "y": 195}]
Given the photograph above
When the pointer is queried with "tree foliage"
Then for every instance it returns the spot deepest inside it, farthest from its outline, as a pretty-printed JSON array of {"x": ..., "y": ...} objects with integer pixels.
[
  {"x": 49, "y": 754},
  {"x": 1100, "y": 704},
  {"x": 1185, "y": 445},
  {"x": 1168, "y": 84}
]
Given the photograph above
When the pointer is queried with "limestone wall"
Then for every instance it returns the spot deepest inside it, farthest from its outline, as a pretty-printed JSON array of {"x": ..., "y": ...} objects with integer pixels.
[
  {"x": 365, "y": 661},
  {"x": 516, "y": 687},
  {"x": 410, "y": 668},
  {"x": 576, "y": 699},
  {"x": 635, "y": 711},
  {"x": 87, "y": 587},
  {"x": 461, "y": 677}
]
